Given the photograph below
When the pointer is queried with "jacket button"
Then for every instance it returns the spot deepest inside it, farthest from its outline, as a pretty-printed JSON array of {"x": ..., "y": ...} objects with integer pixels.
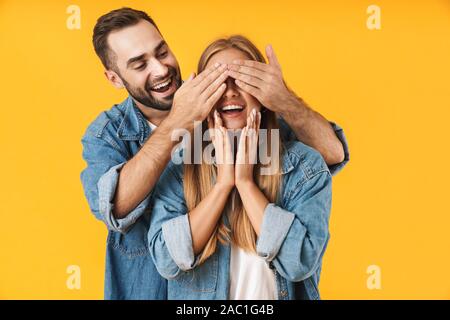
[{"x": 283, "y": 293}]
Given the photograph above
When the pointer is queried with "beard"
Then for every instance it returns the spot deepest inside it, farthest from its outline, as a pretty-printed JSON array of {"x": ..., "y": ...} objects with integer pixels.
[{"x": 144, "y": 95}]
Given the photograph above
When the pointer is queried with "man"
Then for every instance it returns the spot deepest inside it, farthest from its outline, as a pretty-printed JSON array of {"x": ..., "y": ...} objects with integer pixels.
[{"x": 128, "y": 147}]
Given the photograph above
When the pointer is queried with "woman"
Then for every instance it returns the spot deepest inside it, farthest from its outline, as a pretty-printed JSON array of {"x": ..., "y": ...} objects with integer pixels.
[{"x": 226, "y": 230}]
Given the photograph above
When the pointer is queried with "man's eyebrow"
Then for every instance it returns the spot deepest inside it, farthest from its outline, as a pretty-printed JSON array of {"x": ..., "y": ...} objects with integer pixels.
[
  {"x": 134, "y": 59},
  {"x": 159, "y": 46},
  {"x": 142, "y": 56}
]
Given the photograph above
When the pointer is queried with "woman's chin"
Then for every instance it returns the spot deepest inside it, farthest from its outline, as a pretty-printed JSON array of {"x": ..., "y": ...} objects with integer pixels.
[{"x": 234, "y": 124}]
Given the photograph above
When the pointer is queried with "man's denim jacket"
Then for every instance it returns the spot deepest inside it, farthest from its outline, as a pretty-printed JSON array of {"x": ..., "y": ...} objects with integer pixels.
[{"x": 112, "y": 139}]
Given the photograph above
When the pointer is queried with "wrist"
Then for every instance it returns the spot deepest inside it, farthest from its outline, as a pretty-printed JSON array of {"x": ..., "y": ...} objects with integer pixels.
[
  {"x": 245, "y": 184},
  {"x": 223, "y": 187}
]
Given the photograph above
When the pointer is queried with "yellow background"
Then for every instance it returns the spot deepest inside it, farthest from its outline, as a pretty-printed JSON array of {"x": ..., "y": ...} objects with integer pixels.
[{"x": 389, "y": 89}]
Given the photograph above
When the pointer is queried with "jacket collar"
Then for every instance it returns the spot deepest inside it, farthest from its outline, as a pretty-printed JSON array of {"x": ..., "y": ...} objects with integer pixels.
[
  {"x": 286, "y": 165},
  {"x": 133, "y": 125}
]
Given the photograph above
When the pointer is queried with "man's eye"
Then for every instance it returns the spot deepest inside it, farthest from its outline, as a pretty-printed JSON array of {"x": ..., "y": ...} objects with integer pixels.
[
  {"x": 141, "y": 66},
  {"x": 163, "y": 54}
]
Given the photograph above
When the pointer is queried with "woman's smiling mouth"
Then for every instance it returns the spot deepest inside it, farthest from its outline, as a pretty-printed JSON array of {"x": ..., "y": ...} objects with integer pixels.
[{"x": 231, "y": 110}]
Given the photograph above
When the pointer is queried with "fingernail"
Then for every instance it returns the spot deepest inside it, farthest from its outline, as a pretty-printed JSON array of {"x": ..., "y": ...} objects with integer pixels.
[{"x": 216, "y": 64}]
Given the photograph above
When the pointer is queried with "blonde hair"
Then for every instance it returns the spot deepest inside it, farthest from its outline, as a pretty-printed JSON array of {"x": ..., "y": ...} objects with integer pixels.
[{"x": 198, "y": 178}]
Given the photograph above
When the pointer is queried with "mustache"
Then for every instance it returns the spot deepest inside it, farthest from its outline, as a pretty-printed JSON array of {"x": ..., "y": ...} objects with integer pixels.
[{"x": 172, "y": 73}]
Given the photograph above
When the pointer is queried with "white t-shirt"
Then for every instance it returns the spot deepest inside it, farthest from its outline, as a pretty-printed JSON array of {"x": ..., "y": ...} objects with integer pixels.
[
  {"x": 250, "y": 276},
  {"x": 152, "y": 126}
]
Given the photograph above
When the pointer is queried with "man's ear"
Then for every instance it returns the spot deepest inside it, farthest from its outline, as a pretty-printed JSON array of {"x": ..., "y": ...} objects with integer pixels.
[{"x": 114, "y": 78}]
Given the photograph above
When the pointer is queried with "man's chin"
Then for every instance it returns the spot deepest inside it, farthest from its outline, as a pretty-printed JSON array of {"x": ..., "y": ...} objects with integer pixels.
[
  {"x": 154, "y": 104},
  {"x": 163, "y": 104}
]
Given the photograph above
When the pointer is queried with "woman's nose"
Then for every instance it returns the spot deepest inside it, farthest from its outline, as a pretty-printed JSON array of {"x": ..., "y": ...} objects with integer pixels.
[{"x": 232, "y": 89}]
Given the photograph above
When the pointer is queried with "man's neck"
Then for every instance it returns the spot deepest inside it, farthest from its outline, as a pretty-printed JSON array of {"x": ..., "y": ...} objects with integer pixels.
[{"x": 152, "y": 115}]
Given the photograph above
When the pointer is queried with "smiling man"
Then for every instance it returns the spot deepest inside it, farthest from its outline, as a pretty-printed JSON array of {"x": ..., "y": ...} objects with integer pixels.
[{"x": 127, "y": 147}]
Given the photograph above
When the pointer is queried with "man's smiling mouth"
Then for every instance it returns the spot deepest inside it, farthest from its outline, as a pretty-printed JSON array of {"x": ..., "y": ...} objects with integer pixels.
[{"x": 162, "y": 86}]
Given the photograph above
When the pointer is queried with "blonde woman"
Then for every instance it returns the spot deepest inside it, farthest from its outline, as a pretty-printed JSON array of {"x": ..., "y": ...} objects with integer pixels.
[{"x": 225, "y": 230}]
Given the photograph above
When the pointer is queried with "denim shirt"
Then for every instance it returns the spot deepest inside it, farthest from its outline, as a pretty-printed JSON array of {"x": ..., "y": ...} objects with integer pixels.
[
  {"x": 112, "y": 139},
  {"x": 293, "y": 237}
]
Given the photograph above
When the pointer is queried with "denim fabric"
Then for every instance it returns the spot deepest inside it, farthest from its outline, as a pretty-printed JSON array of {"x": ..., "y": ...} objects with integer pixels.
[
  {"x": 112, "y": 139},
  {"x": 293, "y": 237}
]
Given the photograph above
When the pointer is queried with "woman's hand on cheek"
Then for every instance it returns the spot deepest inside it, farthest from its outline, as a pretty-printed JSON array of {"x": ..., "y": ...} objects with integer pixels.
[
  {"x": 247, "y": 152},
  {"x": 223, "y": 152}
]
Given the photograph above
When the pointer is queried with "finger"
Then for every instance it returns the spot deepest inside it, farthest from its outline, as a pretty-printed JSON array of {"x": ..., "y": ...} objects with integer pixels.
[
  {"x": 210, "y": 121},
  {"x": 240, "y": 158},
  {"x": 209, "y": 91},
  {"x": 258, "y": 122},
  {"x": 251, "y": 80},
  {"x": 252, "y": 125},
  {"x": 217, "y": 119},
  {"x": 228, "y": 156},
  {"x": 205, "y": 73},
  {"x": 253, "y": 147},
  {"x": 272, "y": 57},
  {"x": 249, "y": 71},
  {"x": 256, "y": 92},
  {"x": 212, "y": 100},
  {"x": 252, "y": 119},
  {"x": 208, "y": 79},
  {"x": 254, "y": 64},
  {"x": 252, "y": 115},
  {"x": 191, "y": 76},
  {"x": 218, "y": 145},
  {"x": 188, "y": 81},
  {"x": 253, "y": 139}
]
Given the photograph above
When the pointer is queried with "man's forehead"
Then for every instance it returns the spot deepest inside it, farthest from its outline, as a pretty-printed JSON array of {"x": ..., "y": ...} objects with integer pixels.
[{"x": 134, "y": 40}]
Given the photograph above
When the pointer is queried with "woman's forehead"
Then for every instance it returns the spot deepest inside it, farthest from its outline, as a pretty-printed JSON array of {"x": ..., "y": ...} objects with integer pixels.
[{"x": 227, "y": 56}]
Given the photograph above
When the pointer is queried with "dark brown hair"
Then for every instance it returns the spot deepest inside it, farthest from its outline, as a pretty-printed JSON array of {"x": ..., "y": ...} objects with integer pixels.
[{"x": 112, "y": 21}]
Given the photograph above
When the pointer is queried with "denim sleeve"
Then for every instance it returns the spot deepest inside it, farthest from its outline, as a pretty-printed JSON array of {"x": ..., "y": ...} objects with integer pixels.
[
  {"x": 287, "y": 134},
  {"x": 294, "y": 238},
  {"x": 169, "y": 236},
  {"x": 335, "y": 168},
  {"x": 100, "y": 179}
]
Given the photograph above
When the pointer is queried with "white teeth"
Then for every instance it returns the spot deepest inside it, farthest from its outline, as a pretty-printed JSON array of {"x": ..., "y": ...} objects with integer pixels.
[
  {"x": 161, "y": 85},
  {"x": 232, "y": 107}
]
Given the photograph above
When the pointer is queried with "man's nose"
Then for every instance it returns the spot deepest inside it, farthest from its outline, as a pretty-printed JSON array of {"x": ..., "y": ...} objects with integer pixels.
[{"x": 157, "y": 69}]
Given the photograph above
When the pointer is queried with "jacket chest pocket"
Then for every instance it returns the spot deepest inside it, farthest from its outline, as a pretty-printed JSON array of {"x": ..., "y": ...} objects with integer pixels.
[{"x": 203, "y": 278}]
